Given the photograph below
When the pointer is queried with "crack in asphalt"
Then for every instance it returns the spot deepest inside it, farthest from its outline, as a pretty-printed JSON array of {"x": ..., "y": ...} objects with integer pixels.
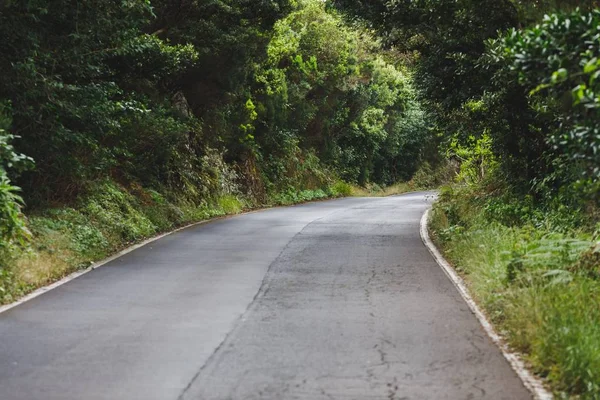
[{"x": 263, "y": 290}]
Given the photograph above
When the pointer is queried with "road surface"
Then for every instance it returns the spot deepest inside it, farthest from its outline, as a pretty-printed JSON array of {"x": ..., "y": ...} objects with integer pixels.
[{"x": 329, "y": 300}]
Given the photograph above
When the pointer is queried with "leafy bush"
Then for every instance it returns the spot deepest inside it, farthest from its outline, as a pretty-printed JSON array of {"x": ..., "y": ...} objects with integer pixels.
[
  {"x": 429, "y": 177},
  {"x": 341, "y": 189},
  {"x": 327, "y": 87},
  {"x": 12, "y": 222},
  {"x": 230, "y": 204},
  {"x": 119, "y": 211},
  {"x": 292, "y": 196}
]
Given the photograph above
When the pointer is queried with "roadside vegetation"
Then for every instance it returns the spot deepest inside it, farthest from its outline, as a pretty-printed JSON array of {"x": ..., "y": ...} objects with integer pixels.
[
  {"x": 537, "y": 278},
  {"x": 512, "y": 90}
]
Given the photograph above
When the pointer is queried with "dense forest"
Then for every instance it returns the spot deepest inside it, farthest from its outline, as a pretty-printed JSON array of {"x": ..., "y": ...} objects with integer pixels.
[{"x": 121, "y": 119}]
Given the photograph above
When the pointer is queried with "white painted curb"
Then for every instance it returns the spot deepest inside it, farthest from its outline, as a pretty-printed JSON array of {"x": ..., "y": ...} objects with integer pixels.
[
  {"x": 532, "y": 383},
  {"x": 96, "y": 265}
]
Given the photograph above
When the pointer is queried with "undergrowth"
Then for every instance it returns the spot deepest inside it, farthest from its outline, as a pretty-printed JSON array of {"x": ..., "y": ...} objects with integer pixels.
[{"x": 539, "y": 283}]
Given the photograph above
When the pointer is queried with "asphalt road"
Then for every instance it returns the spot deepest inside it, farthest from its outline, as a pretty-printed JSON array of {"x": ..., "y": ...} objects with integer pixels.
[{"x": 330, "y": 300}]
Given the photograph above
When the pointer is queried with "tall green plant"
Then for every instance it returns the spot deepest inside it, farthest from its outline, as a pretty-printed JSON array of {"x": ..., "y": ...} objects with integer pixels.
[{"x": 12, "y": 222}]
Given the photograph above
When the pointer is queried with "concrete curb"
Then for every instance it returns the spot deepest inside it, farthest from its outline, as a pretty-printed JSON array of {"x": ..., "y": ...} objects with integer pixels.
[
  {"x": 535, "y": 385},
  {"x": 98, "y": 264}
]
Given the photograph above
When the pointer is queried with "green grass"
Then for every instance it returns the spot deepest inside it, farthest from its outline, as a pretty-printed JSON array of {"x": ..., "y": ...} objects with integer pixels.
[
  {"x": 294, "y": 196},
  {"x": 107, "y": 220},
  {"x": 540, "y": 287},
  {"x": 374, "y": 190},
  {"x": 230, "y": 204}
]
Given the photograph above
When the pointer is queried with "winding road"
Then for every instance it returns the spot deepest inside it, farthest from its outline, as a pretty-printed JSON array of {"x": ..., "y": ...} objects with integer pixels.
[{"x": 329, "y": 300}]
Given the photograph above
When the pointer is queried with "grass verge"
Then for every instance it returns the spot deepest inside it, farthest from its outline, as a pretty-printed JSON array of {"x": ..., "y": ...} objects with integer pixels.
[
  {"x": 110, "y": 218},
  {"x": 539, "y": 284}
]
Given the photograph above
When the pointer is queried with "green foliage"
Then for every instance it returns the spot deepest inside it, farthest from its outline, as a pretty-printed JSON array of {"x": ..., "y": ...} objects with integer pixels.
[
  {"x": 116, "y": 209},
  {"x": 230, "y": 204},
  {"x": 462, "y": 90},
  {"x": 533, "y": 11},
  {"x": 485, "y": 72},
  {"x": 12, "y": 222},
  {"x": 142, "y": 91},
  {"x": 567, "y": 337},
  {"x": 142, "y": 115},
  {"x": 477, "y": 161},
  {"x": 293, "y": 196},
  {"x": 341, "y": 189},
  {"x": 326, "y": 86},
  {"x": 81, "y": 78},
  {"x": 557, "y": 60},
  {"x": 429, "y": 177}
]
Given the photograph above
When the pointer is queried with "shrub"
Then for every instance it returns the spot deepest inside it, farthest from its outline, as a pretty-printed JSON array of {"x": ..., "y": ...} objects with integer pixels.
[
  {"x": 341, "y": 189},
  {"x": 12, "y": 221},
  {"x": 230, "y": 204}
]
